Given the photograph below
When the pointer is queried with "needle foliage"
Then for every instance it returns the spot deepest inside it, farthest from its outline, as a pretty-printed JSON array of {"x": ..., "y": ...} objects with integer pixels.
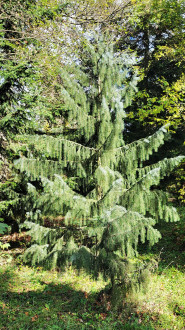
[{"x": 95, "y": 198}]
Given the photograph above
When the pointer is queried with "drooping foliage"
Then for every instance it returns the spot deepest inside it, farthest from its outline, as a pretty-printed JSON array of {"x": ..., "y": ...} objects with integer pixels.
[{"x": 95, "y": 198}]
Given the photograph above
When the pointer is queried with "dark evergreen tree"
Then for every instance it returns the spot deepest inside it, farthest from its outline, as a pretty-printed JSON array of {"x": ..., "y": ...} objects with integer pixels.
[
  {"x": 15, "y": 101},
  {"x": 83, "y": 175},
  {"x": 20, "y": 94}
]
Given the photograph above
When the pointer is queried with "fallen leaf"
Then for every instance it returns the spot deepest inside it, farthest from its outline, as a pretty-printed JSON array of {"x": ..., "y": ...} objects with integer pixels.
[
  {"x": 108, "y": 307},
  {"x": 86, "y": 295},
  {"x": 103, "y": 316},
  {"x": 34, "y": 318},
  {"x": 80, "y": 320}
]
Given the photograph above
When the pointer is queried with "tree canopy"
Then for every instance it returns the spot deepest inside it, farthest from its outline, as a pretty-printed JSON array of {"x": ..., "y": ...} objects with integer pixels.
[{"x": 105, "y": 196}]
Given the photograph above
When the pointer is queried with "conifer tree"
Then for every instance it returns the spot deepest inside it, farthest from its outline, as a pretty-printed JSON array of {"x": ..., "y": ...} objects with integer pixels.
[{"x": 82, "y": 174}]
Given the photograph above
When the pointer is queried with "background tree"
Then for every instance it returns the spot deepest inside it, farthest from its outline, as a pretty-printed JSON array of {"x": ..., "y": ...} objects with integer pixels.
[
  {"x": 11, "y": 89},
  {"x": 23, "y": 61},
  {"x": 19, "y": 97},
  {"x": 156, "y": 30}
]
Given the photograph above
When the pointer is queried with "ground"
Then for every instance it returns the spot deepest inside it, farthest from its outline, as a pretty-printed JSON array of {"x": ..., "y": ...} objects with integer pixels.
[{"x": 32, "y": 298}]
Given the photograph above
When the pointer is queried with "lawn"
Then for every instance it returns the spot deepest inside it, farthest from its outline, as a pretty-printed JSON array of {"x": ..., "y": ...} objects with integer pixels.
[{"x": 32, "y": 298}]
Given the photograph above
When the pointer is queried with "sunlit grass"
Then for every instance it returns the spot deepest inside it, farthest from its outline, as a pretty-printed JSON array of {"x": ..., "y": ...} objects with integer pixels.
[
  {"x": 32, "y": 298},
  {"x": 163, "y": 302}
]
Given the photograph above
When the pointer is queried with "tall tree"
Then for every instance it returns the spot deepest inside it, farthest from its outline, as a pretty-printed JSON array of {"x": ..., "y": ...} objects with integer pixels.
[
  {"x": 94, "y": 196},
  {"x": 20, "y": 91},
  {"x": 156, "y": 30}
]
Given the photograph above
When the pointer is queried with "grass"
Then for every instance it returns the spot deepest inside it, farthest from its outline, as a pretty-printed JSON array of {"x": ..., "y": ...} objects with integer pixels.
[
  {"x": 37, "y": 299},
  {"x": 31, "y": 298},
  {"x": 164, "y": 301}
]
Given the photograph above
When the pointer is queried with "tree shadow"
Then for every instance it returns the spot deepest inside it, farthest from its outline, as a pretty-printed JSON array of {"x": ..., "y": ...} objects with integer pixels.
[
  {"x": 58, "y": 306},
  {"x": 54, "y": 305}
]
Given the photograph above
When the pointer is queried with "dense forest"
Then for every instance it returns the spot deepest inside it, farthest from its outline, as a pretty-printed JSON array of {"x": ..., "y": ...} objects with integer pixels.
[{"x": 92, "y": 162}]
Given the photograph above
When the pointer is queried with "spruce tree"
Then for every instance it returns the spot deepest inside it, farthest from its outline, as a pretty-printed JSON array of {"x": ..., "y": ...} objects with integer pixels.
[{"x": 95, "y": 198}]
